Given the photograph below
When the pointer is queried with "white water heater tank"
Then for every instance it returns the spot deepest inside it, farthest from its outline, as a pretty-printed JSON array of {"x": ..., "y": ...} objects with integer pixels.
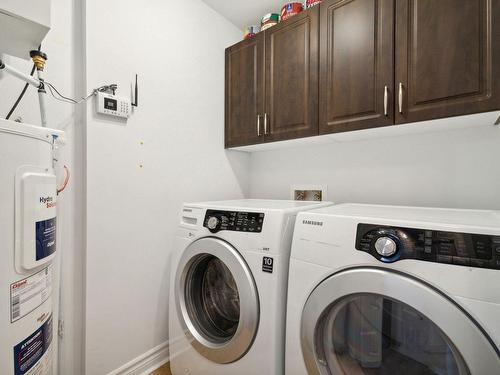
[{"x": 28, "y": 258}]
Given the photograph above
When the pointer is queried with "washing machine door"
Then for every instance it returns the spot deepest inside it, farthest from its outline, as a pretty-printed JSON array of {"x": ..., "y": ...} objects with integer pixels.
[
  {"x": 217, "y": 300},
  {"x": 376, "y": 321}
]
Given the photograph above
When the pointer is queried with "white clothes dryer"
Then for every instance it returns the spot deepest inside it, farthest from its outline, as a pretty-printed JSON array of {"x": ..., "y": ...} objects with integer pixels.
[{"x": 394, "y": 290}]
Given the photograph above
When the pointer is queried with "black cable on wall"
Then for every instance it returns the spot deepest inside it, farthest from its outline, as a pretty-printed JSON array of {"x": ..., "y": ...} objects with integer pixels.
[{"x": 22, "y": 92}]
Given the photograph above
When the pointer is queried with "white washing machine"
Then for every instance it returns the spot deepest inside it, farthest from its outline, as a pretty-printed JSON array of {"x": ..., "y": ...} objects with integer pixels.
[
  {"x": 394, "y": 290},
  {"x": 228, "y": 287}
]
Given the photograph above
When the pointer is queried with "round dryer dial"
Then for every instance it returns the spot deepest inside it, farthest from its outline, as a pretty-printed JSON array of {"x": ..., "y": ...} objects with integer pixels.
[
  {"x": 213, "y": 223},
  {"x": 386, "y": 246}
]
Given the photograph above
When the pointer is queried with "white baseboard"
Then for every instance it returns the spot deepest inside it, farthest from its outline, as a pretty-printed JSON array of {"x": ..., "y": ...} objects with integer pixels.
[{"x": 145, "y": 363}]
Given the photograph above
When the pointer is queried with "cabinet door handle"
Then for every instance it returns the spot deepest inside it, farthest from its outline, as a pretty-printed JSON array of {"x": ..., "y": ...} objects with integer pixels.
[
  {"x": 258, "y": 125},
  {"x": 386, "y": 101},
  {"x": 400, "y": 97},
  {"x": 265, "y": 123}
]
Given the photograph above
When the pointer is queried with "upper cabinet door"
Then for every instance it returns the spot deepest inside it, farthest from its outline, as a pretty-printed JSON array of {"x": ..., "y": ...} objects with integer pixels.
[
  {"x": 245, "y": 92},
  {"x": 447, "y": 58},
  {"x": 292, "y": 77},
  {"x": 356, "y": 65}
]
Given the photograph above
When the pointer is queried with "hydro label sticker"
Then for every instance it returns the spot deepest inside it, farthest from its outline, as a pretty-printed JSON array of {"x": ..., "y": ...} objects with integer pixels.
[
  {"x": 33, "y": 356},
  {"x": 27, "y": 294},
  {"x": 45, "y": 238}
]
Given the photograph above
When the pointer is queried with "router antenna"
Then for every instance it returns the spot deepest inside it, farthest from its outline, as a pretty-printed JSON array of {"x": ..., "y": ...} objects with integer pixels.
[{"x": 135, "y": 103}]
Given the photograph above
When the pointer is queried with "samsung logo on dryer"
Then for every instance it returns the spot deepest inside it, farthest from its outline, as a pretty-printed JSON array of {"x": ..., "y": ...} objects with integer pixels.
[{"x": 313, "y": 222}]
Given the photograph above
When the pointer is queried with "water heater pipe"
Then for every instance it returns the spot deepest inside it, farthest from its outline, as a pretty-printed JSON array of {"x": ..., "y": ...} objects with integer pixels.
[
  {"x": 16, "y": 73},
  {"x": 42, "y": 98},
  {"x": 38, "y": 83}
]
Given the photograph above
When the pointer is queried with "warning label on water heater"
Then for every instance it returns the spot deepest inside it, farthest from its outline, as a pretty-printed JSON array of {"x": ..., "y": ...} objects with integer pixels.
[
  {"x": 33, "y": 356},
  {"x": 45, "y": 238},
  {"x": 27, "y": 294}
]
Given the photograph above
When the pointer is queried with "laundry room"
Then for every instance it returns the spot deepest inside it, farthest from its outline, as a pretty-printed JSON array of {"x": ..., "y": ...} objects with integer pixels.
[{"x": 252, "y": 187}]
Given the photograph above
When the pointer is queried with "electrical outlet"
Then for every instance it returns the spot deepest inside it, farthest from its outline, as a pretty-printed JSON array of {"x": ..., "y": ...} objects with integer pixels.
[{"x": 316, "y": 193}]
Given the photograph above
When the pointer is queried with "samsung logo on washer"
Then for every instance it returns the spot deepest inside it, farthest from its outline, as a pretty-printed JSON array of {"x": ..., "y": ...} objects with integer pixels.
[{"x": 312, "y": 222}]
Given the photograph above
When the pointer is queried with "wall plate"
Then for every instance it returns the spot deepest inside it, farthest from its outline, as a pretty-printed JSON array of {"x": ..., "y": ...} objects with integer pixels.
[{"x": 315, "y": 193}]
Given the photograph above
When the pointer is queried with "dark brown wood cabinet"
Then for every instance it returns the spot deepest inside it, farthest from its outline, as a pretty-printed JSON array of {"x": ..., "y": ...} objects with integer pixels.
[
  {"x": 272, "y": 83},
  {"x": 447, "y": 58},
  {"x": 244, "y": 92},
  {"x": 292, "y": 77},
  {"x": 356, "y": 65}
]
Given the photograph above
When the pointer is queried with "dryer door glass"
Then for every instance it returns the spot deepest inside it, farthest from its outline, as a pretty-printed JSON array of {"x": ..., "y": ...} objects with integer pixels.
[
  {"x": 374, "y": 321},
  {"x": 216, "y": 301},
  {"x": 373, "y": 334}
]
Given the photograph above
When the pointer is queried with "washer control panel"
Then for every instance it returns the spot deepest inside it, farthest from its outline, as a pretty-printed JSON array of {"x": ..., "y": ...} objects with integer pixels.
[
  {"x": 236, "y": 221},
  {"x": 390, "y": 244}
]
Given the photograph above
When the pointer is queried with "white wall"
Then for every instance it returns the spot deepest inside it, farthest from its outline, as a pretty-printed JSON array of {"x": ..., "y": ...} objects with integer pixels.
[
  {"x": 452, "y": 168},
  {"x": 139, "y": 172},
  {"x": 63, "y": 44}
]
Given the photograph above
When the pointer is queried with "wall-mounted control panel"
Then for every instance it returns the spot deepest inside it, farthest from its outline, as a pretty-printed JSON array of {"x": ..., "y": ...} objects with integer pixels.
[
  {"x": 235, "y": 221},
  {"x": 390, "y": 244},
  {"x": 112, "y": 105}
]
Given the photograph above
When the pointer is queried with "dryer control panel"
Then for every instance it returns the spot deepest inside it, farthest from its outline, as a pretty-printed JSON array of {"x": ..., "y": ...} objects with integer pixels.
[
  {"x": 390, "y": 244},
  {"x": 237, "y": 221}
]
